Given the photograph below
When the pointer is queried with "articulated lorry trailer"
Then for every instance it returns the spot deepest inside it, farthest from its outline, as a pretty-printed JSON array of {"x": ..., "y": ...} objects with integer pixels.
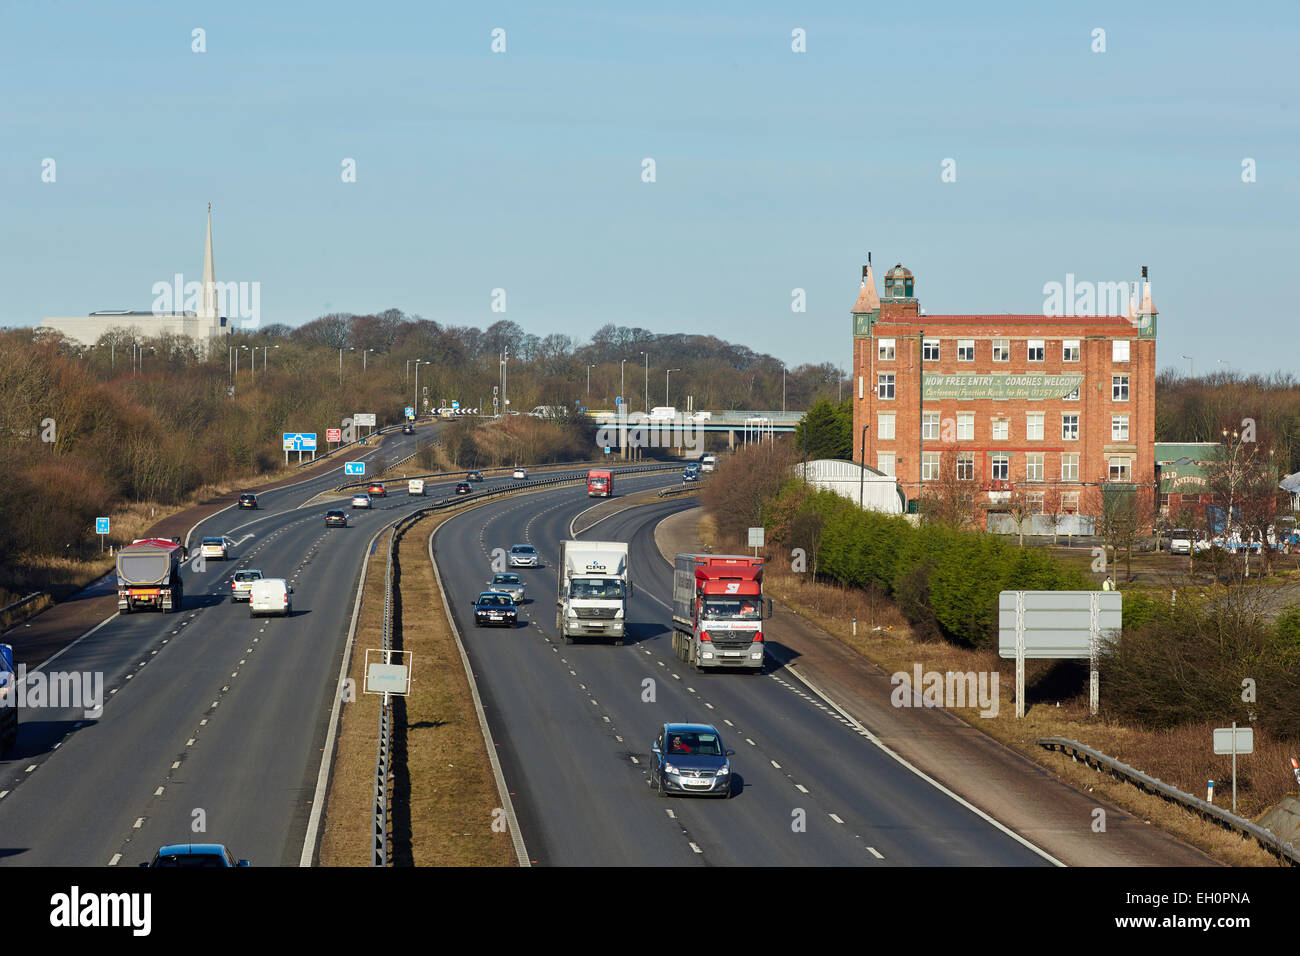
[
  {"x": 718, "y": 610},
  {"x": 149, "y": 576},
  {"x": 593, "y": 592}
]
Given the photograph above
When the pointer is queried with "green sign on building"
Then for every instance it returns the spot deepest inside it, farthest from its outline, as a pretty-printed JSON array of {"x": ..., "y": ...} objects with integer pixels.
[{"x": 1035, "y": 388}]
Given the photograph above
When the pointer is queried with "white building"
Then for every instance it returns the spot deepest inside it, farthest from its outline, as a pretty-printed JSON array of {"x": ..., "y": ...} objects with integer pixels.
[
  {"x": 873, "y": 490},
  {"x": 204, "y": 326}
]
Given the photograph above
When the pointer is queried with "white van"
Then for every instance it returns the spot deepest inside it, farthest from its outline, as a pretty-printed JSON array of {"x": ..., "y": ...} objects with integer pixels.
[
  {"x": 708, "y": 463},
  {"x": 415, "y": 486},
  {"x": 270, "y": 596}
]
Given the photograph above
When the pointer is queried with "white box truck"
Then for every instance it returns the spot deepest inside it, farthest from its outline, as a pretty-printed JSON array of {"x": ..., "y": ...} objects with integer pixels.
[{"x": 593, "y": 590}]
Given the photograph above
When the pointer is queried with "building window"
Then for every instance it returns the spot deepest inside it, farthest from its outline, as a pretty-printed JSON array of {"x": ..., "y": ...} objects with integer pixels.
[
  {"x": 930, "y": 350},
  {"x": 965, "y": 426},
  {"x": 1119, "y": 428},
  {"x": 1001, "y": 429},
  {"x": 1034, "y": 467},
  {"x": 1073, "y": 396},
  {"x": 1069, "y": 428},
  {"x": 1119, "y": 388},
  {"x": 885, "y": 425},
  {"x": 1070, "y": 466},
  {"x": 1034, "y": 426},
  {"x": 1119, "y": 469},
  {"x": 1002, "y": 350},
  {"x": 859, "y": 387},
  {"x": 965, "y": 350},
  {"x": 930, "y": 426},
  {"x": 1070, "y": 350},
  {"x": 885, "y": 462},
  {"x": 1119, "y": 350},
  {"x": 885, "y": 350},
  {"x": 1070, "y": 502},
  {"x": 1001, "y": 467},
  {"x": 1036, "y": 499},
  {"x": 929, "y": 465},
  {"x": 885, "y": 389},
  {"x": 966, "y": 466},
  {"x": 1037, "y": 348}
]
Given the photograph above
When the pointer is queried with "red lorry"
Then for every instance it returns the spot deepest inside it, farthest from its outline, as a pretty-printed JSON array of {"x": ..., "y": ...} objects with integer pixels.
[
  {"x": 600, "y": 484},
  {"x": 149, "y": 575},
  {"x": 718, "y": 610}
]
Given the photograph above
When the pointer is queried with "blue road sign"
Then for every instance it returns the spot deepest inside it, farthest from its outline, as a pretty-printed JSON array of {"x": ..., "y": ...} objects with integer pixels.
[
  {"x": 455, "y": 404},
  {"x": 410, "y": 412},
  {"x": 354, "y": 468},
  {"x": 618, "y": 399},
  {"x": 299, "y": 441},
  {"x": 101, "y": 526}
]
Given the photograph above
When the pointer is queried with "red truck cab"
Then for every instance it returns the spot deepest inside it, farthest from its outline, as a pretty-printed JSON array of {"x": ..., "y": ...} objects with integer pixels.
[
  {"x": 600, "y": 484},
  {"x": 718, "y": 610}
]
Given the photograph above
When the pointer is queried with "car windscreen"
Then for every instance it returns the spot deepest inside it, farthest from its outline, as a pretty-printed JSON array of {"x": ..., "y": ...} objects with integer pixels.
[
  {"x": 505, "y": 579},
  {"x": 736, "y": 609},
  {"x": 494, "y": 600},
  {"x": 695, "y": 744},
  {"x": 243, "y": 576},
  {"x": 523, "y": 549},
  {"x": 213, "y": 541},
  {"x": 596, "y": 588},
  {"x": 191, "y": 859}
]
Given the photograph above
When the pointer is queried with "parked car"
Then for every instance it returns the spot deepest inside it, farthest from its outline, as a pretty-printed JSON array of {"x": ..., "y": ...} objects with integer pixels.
[
  {"x": 474, "y": 476},
  {"x": 361, "y": 500},
  {"x": 215, "y": 548},
  {"x": 196, "y": 855},
  {"x": 463, "y": 488},
  {"x": 690, "y": 758},
  {"x": 1180, "y": 541},
  {"x": 520, "y": 473},
  {"x": 248, "y": 500},
  {"x": 509, "y": 583},
  {"x": 242, "y": 583},
  {"x": 270, "y": 596},
  {"x": 495, "y": 608},
  {"x": 336, "y": 519},
  {"x": 376, "y": 489},
  {"x": 523, "y": 556}
]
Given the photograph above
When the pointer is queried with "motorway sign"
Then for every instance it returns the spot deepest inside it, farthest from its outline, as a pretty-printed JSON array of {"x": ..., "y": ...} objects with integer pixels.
[
  {"x": 384, "y": 676},
  {"x": 333, "y": 434},
  {"x": 410, "y": 411},
  {"x": 756, "y": 537},
  {"x": 354, "y": 468},
  {"x": 364, "y": 418},
  {"x": 101, "y": 526},
  {"x": 299, "y": 441},
  {"x": 455, "y": 404},
  {"x": 1234, "y": 740}
]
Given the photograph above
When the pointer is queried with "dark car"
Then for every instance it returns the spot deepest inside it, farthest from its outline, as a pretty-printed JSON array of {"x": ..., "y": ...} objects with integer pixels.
[
  {"x": 336, "y": 519},
  {"x": 408, "y": 429},
  {"x": 690, "y": 474},
  {"x": 474, "y": 476},
  {"x": 248, "y": 500},
  {"x": 690, "y": 758},
  {"x": 376, "y": 488},
  {"x": 495, "y": 609},
  {"x": 195, "y": 854},
  {"x": 463, "y": 488}
]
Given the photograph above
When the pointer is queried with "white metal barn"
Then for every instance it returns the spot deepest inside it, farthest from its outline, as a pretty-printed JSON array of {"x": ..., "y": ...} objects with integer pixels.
[{"x": 879, "y": 491}]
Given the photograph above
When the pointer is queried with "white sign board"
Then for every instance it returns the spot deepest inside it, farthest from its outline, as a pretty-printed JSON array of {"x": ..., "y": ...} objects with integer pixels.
[
  {"x": 364, "y": 418},
  {"x": 1057, "y": 624},
  {"x": 756, "y": 537},
  {"x": 388, "y": 678},
  {"x": 1234, "y": 740}
]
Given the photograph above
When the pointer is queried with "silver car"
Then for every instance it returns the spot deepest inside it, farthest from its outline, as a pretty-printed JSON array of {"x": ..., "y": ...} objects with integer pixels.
[
  {"x": 523, "y": 556},
  {"x": 690, "y": 758},
  {"x": 508, "y": 583}
]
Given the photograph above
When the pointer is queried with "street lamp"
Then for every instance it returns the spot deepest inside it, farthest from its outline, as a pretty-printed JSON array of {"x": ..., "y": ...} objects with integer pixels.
[
  {"x": 782, "y": 388},
  {"x": 647, "y": 381},
  {"x": 589, "y": 368},
  {"x": 364, "y": 354},
  {"x": 667, "y": 373},
  {"x": 416, "y": 401},
  {"x": 1189, "y": 364}
]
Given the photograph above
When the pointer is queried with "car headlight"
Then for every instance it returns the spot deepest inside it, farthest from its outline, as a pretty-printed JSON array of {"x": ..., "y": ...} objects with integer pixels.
[
  {"x": 723, "y": 772},
  {"x": 669, "y": 768}
]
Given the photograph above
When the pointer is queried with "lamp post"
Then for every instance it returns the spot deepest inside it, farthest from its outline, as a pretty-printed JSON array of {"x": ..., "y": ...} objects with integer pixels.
[
  {"x": 1189, "y": 364},
  {"x": 667, "y": 373},
  {"x": 782, "y": 388},
  {"x": 416, "y": 401},
  {"x": 589, "y": 368},
  {"x": 647, "y": 381}
]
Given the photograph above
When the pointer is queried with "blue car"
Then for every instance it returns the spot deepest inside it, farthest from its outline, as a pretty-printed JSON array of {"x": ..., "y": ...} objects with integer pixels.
[
  {"x": 690, "y": 758},
  {"x": 495, "y": 609},
  {"x": 195, "y": 854}
]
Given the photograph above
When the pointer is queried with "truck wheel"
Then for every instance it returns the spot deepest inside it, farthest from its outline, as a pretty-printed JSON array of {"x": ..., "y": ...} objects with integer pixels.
[
  {"x": 619, "y": 642},
  {"x": 567, "y": 638}
]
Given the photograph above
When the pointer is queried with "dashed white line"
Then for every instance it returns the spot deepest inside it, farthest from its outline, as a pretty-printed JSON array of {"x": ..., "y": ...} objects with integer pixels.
[
  {"x": 139, "y": 822},
  {"x": 634, "y": 760},
  {"x": 696, "y": 848},
  {"x": 158, "y": 792},
  {"x": 876, "y": 853},
  {"x": 116, "y": 857},
  {"x": 835, "y": 818},
  {"x": 801, "y": 788},
  {"x": 776, "y": 765},
  {"x": 750, "y": 742}
]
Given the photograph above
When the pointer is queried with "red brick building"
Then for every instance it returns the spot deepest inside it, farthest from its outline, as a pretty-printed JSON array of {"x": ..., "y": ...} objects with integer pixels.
[{"x": 1049, "y": 402}]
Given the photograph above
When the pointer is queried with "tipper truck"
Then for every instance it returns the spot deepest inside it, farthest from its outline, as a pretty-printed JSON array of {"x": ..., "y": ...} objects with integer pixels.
[
  {"x": 718, "y": 610},
  {"x": 149, "y": 576},
  {"x": 600, "y": 484},
  {"x": 594, "y": 588}
]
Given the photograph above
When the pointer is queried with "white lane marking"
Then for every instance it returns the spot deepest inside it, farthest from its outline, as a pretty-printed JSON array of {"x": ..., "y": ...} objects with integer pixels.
[
  {"x": 876, "y": 853},
  {"x": 801, "y": 788},
  {"x": 750, "y": 742},
  {"x": 696, "y": 848},
  {"x": 3, "y": 794},
  {"x": 158, "y": 792},
  {"x": 923, "y": 775},
  {"x": 176, "y": 764},
  {"x": 727, "y": 722},
  {"x": 634, "y": 760},
  {"x": 30, "y": 769},
  {"x": 835, "y": 818},
  {"x": 116, "y": 857},
  {"x": 139, "y": 822},
  {"x": 776, "y": 765},
  {"x": 190, "y": 742},
  {"x": 671, "y": 815}
]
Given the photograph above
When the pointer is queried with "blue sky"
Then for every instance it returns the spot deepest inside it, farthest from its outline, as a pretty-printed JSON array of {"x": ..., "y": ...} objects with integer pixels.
[{"x": 775, "y": 170}]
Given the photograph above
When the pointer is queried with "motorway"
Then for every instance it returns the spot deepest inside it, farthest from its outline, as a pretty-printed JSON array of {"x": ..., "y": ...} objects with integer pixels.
[
  {"x": 214, "y": 722},
  {"x": 573, "y": 726}
]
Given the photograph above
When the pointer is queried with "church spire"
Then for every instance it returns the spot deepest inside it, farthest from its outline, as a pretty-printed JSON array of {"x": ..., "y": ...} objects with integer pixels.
[{"x": 208, "y": 304}]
